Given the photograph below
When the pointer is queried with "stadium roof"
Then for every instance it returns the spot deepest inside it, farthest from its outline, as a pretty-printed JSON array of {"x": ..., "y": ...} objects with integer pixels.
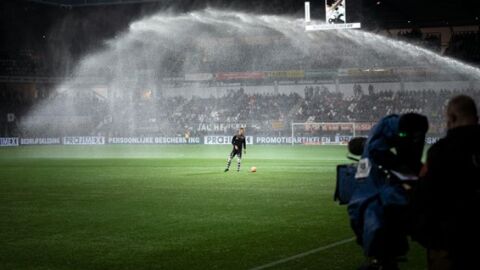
[
  {"x": 383, "y": 13},
  {"x": 80, "y": 3}
]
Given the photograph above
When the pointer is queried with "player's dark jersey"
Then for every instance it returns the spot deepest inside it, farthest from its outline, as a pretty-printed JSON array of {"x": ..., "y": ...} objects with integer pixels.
[{"x": 239, "y": 141}]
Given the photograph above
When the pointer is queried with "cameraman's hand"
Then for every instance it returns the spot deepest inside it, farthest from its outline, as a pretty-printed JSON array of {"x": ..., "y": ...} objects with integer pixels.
[
  {"x": 236, "y": 147},
  {"x": 406, "y": 186}
]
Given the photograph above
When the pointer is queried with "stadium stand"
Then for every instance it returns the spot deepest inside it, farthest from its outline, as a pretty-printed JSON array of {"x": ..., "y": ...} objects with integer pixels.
[
  {"x": 258, "y": 111},
  {"x": 319, "y": 106},
  {"x": 465, "y": 46},
  {"x": 415, "y": 36}
]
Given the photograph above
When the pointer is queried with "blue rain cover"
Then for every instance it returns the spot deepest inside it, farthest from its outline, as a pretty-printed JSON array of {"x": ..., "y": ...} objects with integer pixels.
[{"x": 373, "y": 195}]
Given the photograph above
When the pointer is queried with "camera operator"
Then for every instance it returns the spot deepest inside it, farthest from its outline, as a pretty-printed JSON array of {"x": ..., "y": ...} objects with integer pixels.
[
  {"x": 446, "y": 199},
  {"x": 378, "y": 207}
]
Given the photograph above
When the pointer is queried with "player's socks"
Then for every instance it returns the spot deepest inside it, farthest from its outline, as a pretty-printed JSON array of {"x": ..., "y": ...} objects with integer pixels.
[
  {"x": 238, "y": 166},
  {"x": 229, "y": 161}
]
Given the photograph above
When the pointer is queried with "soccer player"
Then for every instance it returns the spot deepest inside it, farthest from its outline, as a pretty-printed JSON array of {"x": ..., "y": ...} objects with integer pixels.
[{"x": 238, "y": 142}]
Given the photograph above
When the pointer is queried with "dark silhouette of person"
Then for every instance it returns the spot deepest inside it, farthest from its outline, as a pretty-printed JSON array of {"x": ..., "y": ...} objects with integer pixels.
[{"x": 446, "y": 200}]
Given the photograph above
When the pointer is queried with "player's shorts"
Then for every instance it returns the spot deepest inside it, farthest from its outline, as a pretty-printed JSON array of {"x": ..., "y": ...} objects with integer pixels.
[{"x": 238, "y": 153}]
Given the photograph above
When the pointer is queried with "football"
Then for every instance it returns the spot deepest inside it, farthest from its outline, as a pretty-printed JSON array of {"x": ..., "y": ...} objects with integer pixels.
[{"x": 253, "y": 169}]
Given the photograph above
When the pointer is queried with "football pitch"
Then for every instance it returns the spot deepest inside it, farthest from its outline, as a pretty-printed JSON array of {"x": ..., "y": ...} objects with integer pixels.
[{"x": 173, "y": 207}]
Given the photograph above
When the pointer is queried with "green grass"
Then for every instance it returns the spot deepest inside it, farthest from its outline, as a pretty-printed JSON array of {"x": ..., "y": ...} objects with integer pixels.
[{"x": 172, "y": 207}]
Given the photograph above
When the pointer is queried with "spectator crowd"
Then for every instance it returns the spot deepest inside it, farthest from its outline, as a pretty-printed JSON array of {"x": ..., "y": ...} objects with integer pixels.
[{"x": 266, "y": 114}]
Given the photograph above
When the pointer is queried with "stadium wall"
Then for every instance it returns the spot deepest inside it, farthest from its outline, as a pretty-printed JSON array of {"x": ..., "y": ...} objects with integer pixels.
[
  {"x": 281, "y": 88},
  {"x": 448, "y": 85},
  {"x": 207, "y": 140},
  {"x": 219, "y": 91}
]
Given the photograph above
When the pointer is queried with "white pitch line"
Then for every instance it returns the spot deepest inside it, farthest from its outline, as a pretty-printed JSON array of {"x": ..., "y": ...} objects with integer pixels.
[{"x": 306, "y": 253}]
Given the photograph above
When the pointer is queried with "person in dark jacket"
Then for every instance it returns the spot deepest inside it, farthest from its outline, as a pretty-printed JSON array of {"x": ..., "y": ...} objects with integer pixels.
[{"x": 446, "y": 199}]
